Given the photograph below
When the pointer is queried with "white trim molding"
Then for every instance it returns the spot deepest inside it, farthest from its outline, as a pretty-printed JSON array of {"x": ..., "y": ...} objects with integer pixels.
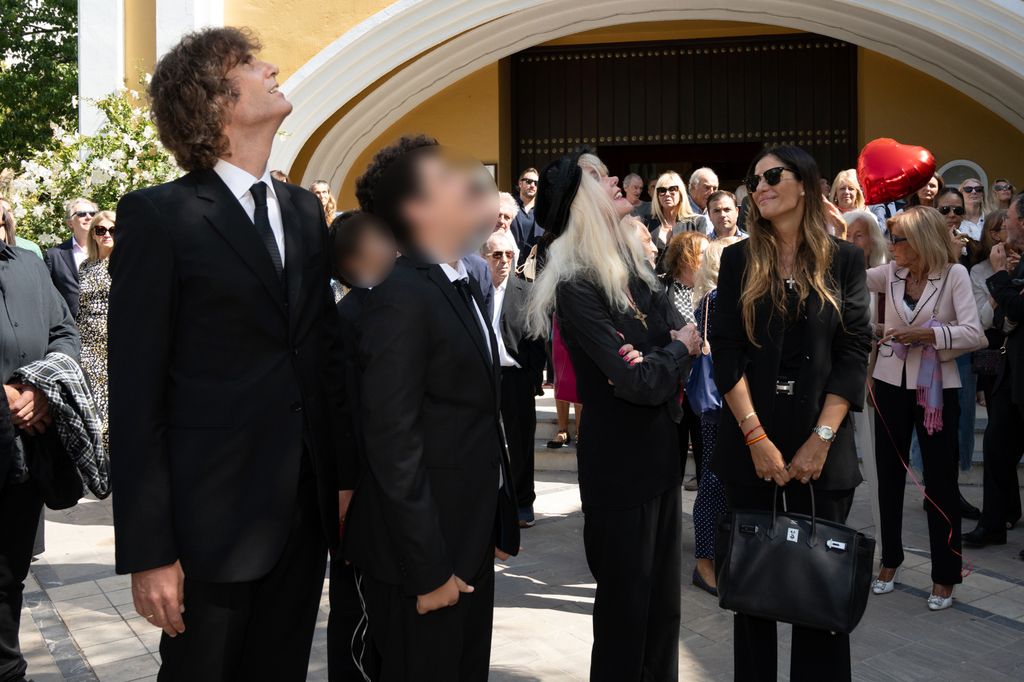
[
  {"x": 175, "y": 18},
  {"x": 971, "y": 48},
  {"x": 101, "y": 65}
]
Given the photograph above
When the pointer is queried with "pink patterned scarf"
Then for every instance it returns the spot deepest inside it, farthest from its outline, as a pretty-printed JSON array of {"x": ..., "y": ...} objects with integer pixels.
[{"x": 929, "y": 380}]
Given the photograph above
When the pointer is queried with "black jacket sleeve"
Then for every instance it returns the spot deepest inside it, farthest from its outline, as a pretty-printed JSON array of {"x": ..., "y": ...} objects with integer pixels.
[
  {"x": 851, "y": 343},
  {"x": 728, "y": 338},
  {"x": 654, "y": 381},
  {"x": 143, "y": 297},
  {"x": 395, "y": 347},
  {"x": 1007, "y": 296},
  {"x": 63, "y": 334}
]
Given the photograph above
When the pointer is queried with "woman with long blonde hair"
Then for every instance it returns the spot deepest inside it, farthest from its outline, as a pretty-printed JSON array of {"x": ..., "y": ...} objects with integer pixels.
[
  {"x": 322, "y": 190},
  {"x": 846, "y": 192},
  {"x": 671, "y": 212},
  {"x": 791, "y": 338},
  {"x": 630, "y": 352}
]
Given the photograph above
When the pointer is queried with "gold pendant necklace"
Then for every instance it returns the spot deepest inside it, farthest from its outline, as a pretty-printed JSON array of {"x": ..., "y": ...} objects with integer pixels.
[{"x": 637, "y": 314}]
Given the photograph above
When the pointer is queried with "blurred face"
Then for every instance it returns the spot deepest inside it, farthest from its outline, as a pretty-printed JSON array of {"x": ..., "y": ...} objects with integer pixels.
[
  {"x": 528, "y": 186},
  {"x": 774, "y": 201},
  {"x": 825, "y": 189},
  {"x": 998, "y": 232},
  {"x": 322, "y": 192},
  {"x": 900, "y": 249},
  {"x": 846, "y": 196},
  {"x": 974, "y": 193},
  {"x": 80, "y": 219},
  {"x": 505, "y": 217},
  {"x": 651, "y": 184},
  {"x": 650, "y": 250},
  {"x": 455, "y": 209},
  {"x": 633, "y": 189},
  {"x": 706, "y": 186},
  {"x": 927, "y": 193},
  {"x": 1003, "y": 191},
  {"x": 501, "y": 258},
  {"x": 723, "y": 215},
  {"x": 858, "y": 234},
  {"x": 260, "y": 102},
  {"x": 669, "y": 195},
  {"x": 686, "y": 275},
  {"x": 1014, "y": 229},
  {"x": 373, "y": 261},
  {"x": 952, "y": 209},
  {"x": 103, "y": 234}
]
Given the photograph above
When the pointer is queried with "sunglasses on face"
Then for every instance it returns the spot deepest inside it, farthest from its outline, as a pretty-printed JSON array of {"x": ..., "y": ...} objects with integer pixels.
[
  {"x": 772, "y": 177},
  {"x": 103, "y": 230},
  {"x": 894, "y": 240},
  {"x": 82, "y": 214},
  {"x": 957, "y": 210},
  {"x": 498, "y": 255},
  {"x": 972, "y": 189},
  {"x": 665, "y": 190},
  {"x": 1001, "y": 187},
  {"x": 528, "y": 181}
]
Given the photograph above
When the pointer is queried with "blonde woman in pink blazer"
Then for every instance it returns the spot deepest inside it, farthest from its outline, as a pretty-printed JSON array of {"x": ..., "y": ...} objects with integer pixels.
[{"x": 930, "y": 319}]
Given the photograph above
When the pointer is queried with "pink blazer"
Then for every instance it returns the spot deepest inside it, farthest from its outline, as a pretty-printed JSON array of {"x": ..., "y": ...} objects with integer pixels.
[{"x": 961, "y": 331}]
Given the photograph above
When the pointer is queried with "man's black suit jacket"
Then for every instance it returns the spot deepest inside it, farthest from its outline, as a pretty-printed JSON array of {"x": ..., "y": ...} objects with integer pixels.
[
  {"x": 525, "y": 350},
  {"x": 61, "y": 262},
  {"x": 1006, "y": 292},
  {"x": 218, "y": 381},
  {"x": 429, "y": 504}
]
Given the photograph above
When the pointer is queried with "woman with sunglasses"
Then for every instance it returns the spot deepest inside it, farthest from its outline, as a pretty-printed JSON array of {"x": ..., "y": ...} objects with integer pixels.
[
  {"x": 671, "y": 213},
  {"x": 974, "y": 202},
  {"x": 930, "y": 320},
  {"x": 94, "y": 292},
  {"x": 951, "y": 204},
  {"x": 1002, "y": 194},
  {"x": 791, "y": 338}
]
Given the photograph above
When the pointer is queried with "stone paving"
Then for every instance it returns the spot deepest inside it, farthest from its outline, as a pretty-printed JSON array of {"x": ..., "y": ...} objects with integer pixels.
[{"x": 79, "y": 624}]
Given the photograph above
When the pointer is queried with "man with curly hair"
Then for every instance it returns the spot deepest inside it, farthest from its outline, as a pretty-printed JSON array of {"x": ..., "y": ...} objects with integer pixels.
[
  {"x": 223, "y": 391},
  {"x": 436, "y": 504}
]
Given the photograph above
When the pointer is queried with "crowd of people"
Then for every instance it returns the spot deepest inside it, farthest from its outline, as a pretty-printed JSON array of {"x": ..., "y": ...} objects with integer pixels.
[{"x": 278, "y": 379}]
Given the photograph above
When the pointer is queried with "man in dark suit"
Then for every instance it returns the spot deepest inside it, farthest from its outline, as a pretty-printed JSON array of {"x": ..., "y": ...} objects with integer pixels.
[
  {"x": 223, "y": 382},
  {"x": 436, "y": 505},
  {"x": 1002, "y": 446},
  {"x": 522, "y": 361},
  {"x": 64, "y": 260}
]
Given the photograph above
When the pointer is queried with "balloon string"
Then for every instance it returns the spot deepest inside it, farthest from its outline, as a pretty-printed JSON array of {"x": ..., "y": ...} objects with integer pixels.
[{"x": 968, "y": 567}]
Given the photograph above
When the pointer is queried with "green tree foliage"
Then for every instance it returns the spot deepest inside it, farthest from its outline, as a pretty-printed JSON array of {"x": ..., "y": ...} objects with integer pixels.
[{"x": 38, "y": 74}]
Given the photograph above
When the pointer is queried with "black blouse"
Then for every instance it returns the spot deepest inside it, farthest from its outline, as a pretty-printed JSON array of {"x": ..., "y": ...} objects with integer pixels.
[{"x": 629, "y": 453}]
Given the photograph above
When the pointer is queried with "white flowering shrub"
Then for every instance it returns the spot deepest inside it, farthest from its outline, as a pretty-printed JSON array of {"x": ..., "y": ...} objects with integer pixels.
[{"x": 124, "y": 155}]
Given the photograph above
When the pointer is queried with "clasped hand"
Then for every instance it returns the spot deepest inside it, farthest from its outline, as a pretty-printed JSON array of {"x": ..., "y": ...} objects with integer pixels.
[
  {"x": 805, "y": 467},
  {"x": 30, "y": 410},
  {"x": 911, "y": 335}
]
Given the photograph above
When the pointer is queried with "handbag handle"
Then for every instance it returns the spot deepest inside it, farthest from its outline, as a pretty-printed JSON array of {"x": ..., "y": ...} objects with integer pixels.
[
  {"x": 705, "y": 348},
  {"x": 812, "y": 540}
]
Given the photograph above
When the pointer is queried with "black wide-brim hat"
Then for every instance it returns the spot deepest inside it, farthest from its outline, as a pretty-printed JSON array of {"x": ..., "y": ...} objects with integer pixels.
[{"x": 559, "y": 182}]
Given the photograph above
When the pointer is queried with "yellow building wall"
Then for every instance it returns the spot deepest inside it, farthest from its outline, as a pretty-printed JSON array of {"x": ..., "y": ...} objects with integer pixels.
[{"x": 139, "y": 40}]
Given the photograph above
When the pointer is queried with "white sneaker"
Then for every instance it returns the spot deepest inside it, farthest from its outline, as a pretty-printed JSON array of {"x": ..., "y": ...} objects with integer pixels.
[
  {"x": 885, "y": 586},
  {"x": 937, "y": 603}
]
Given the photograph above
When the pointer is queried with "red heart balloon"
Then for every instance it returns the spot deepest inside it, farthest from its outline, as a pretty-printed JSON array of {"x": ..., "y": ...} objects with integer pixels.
[{"x": 888, "y": 170}]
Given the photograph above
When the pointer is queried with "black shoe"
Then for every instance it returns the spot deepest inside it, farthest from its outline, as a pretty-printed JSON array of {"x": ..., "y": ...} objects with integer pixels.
[
  {"x": 702, "y": 584},
  {"x": 968, "y": 510},
  {"x": 982, "y": 537}
]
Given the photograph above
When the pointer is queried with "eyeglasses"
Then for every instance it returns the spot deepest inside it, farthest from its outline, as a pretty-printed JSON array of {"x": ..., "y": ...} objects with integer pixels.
[
  {"x": 1002, "y": 187},
  {"x": 103, "y": 230},
  {"x": 82, "y": 214},
  {"x": 772, "y": 177},
  {"x": 957, "y": 210},
  {"x": 972, "y": 189},
  {"x": 665, "y": 190},
  {"x": 498, "y": 255},
  {"x": 894, "y": 240},
  {"x": 528, "y": 181}
]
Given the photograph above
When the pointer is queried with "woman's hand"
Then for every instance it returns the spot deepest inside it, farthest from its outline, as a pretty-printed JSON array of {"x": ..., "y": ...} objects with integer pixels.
[
  {"x": 997, "y": 256},
  {"x": 911, "y": 335},
  {"x": 689, "y": 337},
  {"x": 768, "y": 462},
  {"x": 835, "y": 220},
  {"x": 631, "y": 355},
  {"x": 809, "y": 460}
]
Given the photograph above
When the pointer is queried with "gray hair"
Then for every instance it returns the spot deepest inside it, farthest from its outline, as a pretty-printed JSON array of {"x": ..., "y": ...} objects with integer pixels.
[
  {"x": 503, "y": 239},
  {"x": 696, "y": 175},
  {"x": 506, "y": 200},
  {"x": 69, "y": 208},
  {"x": 875, "y": 236},
  {"x": 629, "y": 178}
]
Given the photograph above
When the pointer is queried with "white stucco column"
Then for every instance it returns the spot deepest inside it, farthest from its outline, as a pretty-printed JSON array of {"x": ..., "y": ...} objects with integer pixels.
[
  {"x": 175, "y": 18},
  {"x": 100, "y": 56}
]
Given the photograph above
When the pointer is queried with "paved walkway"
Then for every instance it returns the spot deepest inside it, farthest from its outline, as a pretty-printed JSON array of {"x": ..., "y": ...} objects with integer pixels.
[{"x": 79, "y": 625}]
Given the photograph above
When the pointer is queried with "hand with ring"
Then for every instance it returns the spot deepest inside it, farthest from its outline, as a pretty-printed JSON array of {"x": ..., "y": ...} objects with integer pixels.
[{"x": 631, "y": 355}]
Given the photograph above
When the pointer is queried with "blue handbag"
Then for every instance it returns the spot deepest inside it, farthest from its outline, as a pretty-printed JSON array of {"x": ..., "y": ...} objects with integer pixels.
[{"x": 700, "y": 388}]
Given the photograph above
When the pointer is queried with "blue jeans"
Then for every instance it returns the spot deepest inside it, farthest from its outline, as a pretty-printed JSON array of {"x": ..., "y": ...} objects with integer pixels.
[{"x": 968, "y": 409}]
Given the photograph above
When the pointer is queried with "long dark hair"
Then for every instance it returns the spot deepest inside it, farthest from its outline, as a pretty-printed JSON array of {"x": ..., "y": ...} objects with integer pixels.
[{"x": 914, "y": 200}]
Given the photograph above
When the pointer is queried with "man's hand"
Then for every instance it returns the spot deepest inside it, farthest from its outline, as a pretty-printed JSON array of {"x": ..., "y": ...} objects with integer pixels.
[
  {"x": 159, "y": 596},
  {"x": 12, "y": 394},
  {"x": 443, "y": 597},
  {"x": 999, "y": 259},
  {"x": 689, "y": 336},
  {"x": 344, "y": 500},
  {"x": 31, "y": 409},
  {"x": 501, "y": 556}
]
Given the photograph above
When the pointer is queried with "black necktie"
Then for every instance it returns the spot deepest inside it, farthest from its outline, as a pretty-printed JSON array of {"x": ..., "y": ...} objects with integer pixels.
[
  {"x": 261, "y": 218},
  {"x": 462, "y": 286}
]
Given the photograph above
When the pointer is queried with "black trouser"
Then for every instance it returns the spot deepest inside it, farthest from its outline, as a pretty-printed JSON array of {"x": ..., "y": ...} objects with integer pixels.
[
  {"x": 689, "y": 432},
  {"x": 897, "y": 416},
  {"x": 256, "y": 630},
  {"x": 519, "y": 414},
  {"x": 815, "y": 654},
  {"x": 1003, "y": 448},
  {"x": 635, "y": 556},
  {"x": 451, "y": 644},
  {"x": 348, "y": 638},
  {"x": 19, "y": 516}
]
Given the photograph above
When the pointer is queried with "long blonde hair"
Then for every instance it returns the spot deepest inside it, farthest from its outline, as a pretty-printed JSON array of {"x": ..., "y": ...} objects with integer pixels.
[
  {"x": 331, "y": 207},
  {"x": 92, "y": 249},
  {"x": 593, "y": 247},
  {"x": 706, "y": 278},
  {"x": 848, "y": 177},
  {"x": 813, "y": 260},
  {"x": 684, "y": 211}
]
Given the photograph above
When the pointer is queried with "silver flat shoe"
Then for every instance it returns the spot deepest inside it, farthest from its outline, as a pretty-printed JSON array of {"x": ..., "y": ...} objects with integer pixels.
[
  {"x": 885, "y": 586},
  {"x": 937, "y": 603}
]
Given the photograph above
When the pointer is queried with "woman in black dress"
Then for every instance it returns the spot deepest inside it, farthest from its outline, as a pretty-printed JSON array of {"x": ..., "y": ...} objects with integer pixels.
[
  {"x": 791, "y": 339},
  {"x": 630, "y": 356}
]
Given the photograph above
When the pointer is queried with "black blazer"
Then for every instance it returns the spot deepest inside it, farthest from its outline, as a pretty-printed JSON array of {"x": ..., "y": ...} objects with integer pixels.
[
  {"x": 350, "y": 430},
  {"x": 61, "y": 262},
  {"x": 836, "y": 347},
  {"x": 218, "y": 382},
  {"x": 525, "y": 350},
  {"x": 631, "y": 452},
  {"x": 429, "y": 504},
  {"x": 1006, "y": 292}
]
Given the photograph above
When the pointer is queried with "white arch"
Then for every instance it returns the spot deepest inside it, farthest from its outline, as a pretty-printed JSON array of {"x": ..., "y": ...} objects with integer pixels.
[{"x": 972, "y": 49}]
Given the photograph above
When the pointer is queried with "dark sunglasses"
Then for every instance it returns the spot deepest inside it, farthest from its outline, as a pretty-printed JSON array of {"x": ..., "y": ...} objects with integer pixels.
[
  {"x": 497, "y": 255},
  {"x": 972, "y": 189},
  {"x": 1001, "y": 187},
  {"x": 772, "y": 177},
  {"x": 665, "y": 190},
  {"x": 957, "y": 210},
  {"x": 528, "y": 181},
  {"x": 894, "y": 240},
  {"x": 82, "y": 214},
  {"x": 102, "y": 230}
]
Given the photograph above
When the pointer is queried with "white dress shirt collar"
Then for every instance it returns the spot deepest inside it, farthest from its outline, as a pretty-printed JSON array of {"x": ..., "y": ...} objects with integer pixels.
[
  {"x": 456, "y": 273},
  {"x": 239, "y": 182}
]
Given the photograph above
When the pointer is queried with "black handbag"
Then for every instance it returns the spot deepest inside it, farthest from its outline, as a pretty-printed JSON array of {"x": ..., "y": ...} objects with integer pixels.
[
  {"x": 986, "y": 362},
  {"x": 794, "y": 568}
]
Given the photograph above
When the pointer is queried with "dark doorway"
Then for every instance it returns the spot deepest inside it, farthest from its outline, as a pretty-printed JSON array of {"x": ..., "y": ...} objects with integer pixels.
[{"x": 730, "y": 160}]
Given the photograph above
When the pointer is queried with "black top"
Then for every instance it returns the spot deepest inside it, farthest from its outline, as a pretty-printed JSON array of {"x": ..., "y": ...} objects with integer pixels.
[
  {"x": 793, "y": 343},
  {"x": 630, "y": 453},
  {"x": 1006, "y": 291},
  {"x": 834, "y": 349}
]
